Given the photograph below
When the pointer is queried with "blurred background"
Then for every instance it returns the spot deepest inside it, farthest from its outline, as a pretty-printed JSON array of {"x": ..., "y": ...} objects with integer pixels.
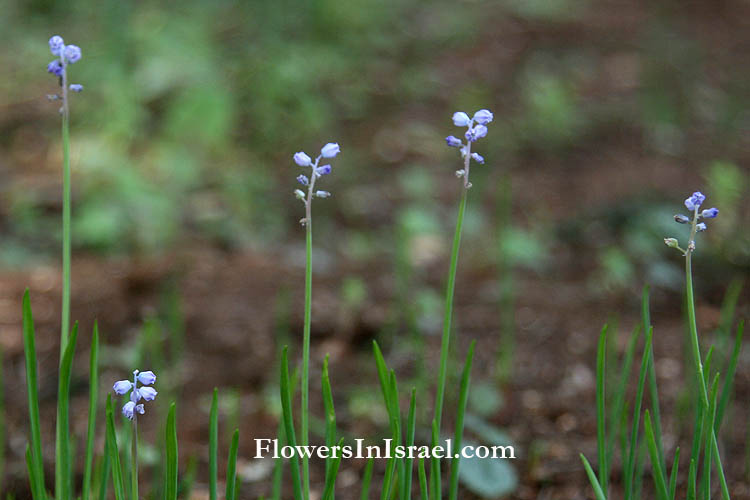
[{"x": 188, "y": 250}]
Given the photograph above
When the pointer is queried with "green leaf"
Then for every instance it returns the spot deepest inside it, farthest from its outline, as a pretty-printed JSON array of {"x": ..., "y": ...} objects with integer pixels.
[
  {"x": 32, "y": 389},
  {"x": 601, "y": 433},
  {"x": 170, "y": 482},
  {"x": 231, "y": 479},
  {"x": 656, "y": 467},
  {"x": 367, "y": 479},
  {"x": 459, "y": 432},
  {"x": 286, "y": 405},
  {"x": 592, "y": 479},
  {"x": 62, "y": 428},
  {"x": 213, "y": 445},
  {"x": 93, "y": 399},
  {"x": 114, "y": 454}
]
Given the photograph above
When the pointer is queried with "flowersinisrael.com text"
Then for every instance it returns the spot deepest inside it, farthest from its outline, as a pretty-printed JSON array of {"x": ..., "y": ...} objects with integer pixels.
[{"x": 270, "y": 448}]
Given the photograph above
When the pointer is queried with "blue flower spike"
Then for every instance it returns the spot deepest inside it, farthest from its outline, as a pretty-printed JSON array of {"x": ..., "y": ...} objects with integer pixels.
[
  {"x": 696, "y": 221},
  {"x": 133, "y": 408},
  {"x": 476, "y": 128},
  {"x": 65, "y": 55},
  {"x": 330, "y": 150}
]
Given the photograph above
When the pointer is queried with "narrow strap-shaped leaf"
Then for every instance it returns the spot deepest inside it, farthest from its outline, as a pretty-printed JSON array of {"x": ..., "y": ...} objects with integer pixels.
[
  {"x": 691, "y": 480},
  {"x": 395, "y": 412},
  {"x": 673, "y": 475},
  {"x": 231, "y": 493},
  {"x": 170, "y": 481},
  {"x": 382, "y": 372},
  {"x": 32, "y": 389},
  {"x": 711, "y": 418},
  {"x": 423, "y": 491},
  {"x": 30, "y": 468},
  {"x": 601, "y": 432},
  {"x": 62, "y": 430},
  {"x": 114, "y": 453},
  {"x": 592, "y": 479},
  {"x": 213, "y": 445},
  {"x": 726, "y": 390},
  {"x": 367, "y": 479},
  {"x": 461, "y": 411},
  {"x": 619, "y": 407},
  {"x": 330, "y": 413},
  {"x": 286, "y": 406},
  {"x": 410, "y": 432},
  {"x": 93, "y": 399},
  {"x": 436, "y": 482},
  {"x": 103, "y": 473},
  {"x": 656, "y": 470},
  {"x": 652, "y": 386},
  {"x": 631, "y": 460},
  {"x": 332, "y": 474}
]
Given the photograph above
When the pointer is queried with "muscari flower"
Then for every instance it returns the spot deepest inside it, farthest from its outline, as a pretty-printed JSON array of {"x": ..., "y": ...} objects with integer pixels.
[
  {"x": 483, "y": 116},
  {"x": 453, "y": 141},
  {"x": 695, "y": 200},
  {"x": 324, "y": 170},
  {"x": 56, "y": 44},
  {"x": 461, "y": 119},
  {"x": 76, "y": 87},
  {"x": 710, "y": 213},
  {"x": 302, "y": 179},
  {"x": 302, "y": 159},
  {"x": 330, "y": 150},
  {"x": 477, "y": 158},
  {"x": 475, "y": 133},
  {"x": 72, "y": 53},
  {"x": 55, "y": 67},
  {"x": 122, "y": 387}
]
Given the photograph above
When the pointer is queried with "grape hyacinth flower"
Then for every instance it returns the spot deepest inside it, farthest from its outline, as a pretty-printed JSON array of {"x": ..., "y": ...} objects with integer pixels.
[
  {"x": 476, "y": 128},
  {"x": 122, "y": 387},
  {"x": 65, "y": 55},
  {"x": 693, "y": 203},
  {"x": 302, "y": 159}
]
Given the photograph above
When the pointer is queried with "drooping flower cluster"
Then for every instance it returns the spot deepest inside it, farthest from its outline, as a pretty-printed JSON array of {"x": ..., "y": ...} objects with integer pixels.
[
  {"x": 693, "y": 203},
  {"x": 476, "y": 128},
  {"x": 122, "y": 387},
  {"x": 66, "y": 54},
  {"x": 302, "y": 159}
]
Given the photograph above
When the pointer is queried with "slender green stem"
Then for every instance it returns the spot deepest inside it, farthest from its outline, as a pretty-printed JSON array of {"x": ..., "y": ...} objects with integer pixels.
[
  {"x": 134, "y": 473},
  {"x": 304, "y": 433},
  {"x": 65, "y": 322}
]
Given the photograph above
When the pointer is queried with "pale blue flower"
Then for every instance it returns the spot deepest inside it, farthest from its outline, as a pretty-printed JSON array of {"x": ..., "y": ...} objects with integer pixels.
[
  {"x": 483, "y": 116},
  {"x": 695, "y": 201},
  {"x": 72, "y": 53},
  {"x": 146, "y": 378},
  {"x": 148, "y": 393},
  {"x": 322, "y": 194},
  {"x": 476, "y": 133},
  {"x": 477, "y": 158},
  {"x": 330, "y": 150},
  {"x": 130, "y": 409},
  {"x": 461, "y": 119},
  {"x": 76, "y": 87},
  {"x": 122, "y": 387},
  {"x": 56, "y": 44},
  {"x": 701, "y": 226},
  {"x": 55, "y": 67},
  {"x": 302, "y": 179},
  {"x": 681, "y": 219},
  {"x": 302, "y": 159},
  {"x": 453, "y": 141},
  {"x": 710, "y": 213},
  {"x": 324, "y": 170}
]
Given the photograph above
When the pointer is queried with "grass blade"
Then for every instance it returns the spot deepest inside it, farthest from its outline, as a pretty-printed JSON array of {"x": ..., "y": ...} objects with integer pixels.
[
  {"x": 231, "y": 493},
  {"x": 705, "y": 485},
  {"x": 93, "y": 399},
  {"x": 601, "y": 433},
  {"x": 619, "y": 407},
  {"x": 331, "y": 475},
  {"x": 330, "y": 422},
  {"x": 170, "y": 481},
  {"x": 631, "y": 460},
  {"x": 382, "y": 372},
  {"x": 114, "y": 453},
  {"x": 103, "y": 474},
  {"x": 436, "y": 482},
  {"x": 726, "y": 390},
  {"x": 423, "y": 492},
  {"x": 286, "y": 405},
  {"x": 691, "y": 480},
  {"x": 461, "y": 411},
  {"x": 367, "y": 479},
  {"x": 656, "y": 469},
  {"x": 598, "y": 493},
  {"x": 32, "y": 389},
  {"x": 410, "y": 432},
  {"x": 62, "y": 428},
  {"x": 213, "y": 445},
  {"x": 673, "y": 475},
  {"x": 652, "y": 387}
]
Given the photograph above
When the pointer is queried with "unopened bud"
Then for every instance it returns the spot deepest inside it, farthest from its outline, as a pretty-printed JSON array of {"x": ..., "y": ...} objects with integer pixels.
[{"x": 671, "y": 242}]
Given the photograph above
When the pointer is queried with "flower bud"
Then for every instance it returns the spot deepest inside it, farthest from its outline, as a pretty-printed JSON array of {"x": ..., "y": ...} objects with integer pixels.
[
  {"x": 710, "y": 213},
  {"x": 56, "y": 44},
  {"x": 127, "y": 410},
  {"x": 460, "y": 173},
  {"x": 302, "y": 179},
  {"x": 453, "y": 141},
  {"x": 322, "y": 194},
  {"x": 146, "y": 378},
  {"x": 483, "y": 116},
  {"x": 55, "y": 67},
  {"x": 76, "y": 87},
  {"x": 72, "y": 53},
  {"x": 324, "y": 170},
  {"x": 461, "y": 119},
  {"x": 330, "y": 150},
  {"x": 148, "y": 393},
  {"x": 700, "y": 227},
  {"x": 671, "y": 242},
  {"x": 477, "y": 158},
  {"x": 299, "y": 194},
  {"x": 302, "y": 159},
  {"x": 681, "y": 219},
  {"x": 695, "y": 200},
  {"x": 122, "y": 387}
]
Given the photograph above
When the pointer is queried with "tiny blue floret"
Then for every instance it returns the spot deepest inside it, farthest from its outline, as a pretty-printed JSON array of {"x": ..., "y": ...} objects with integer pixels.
[
  {"x": 695, "y": 201},
  {"x": 324, "y": 170},
  {"x": 710, "y": 213},
  {"x": 453, "y": 141},
  {"x": 122, "y": 387},
  {"x": 72, "y": 53},
  {"x": 55, "y": 67},
  {"x": 76, "y": 87},
  {"x": 701, "y": 226},
  {"x": 148, "y": 393},
  {"x": 461, "y": 119},
  {"x": 56, "y": 44},
  {"x": 302, "y": 159},
  {"x": 476, "y": 133},
  {"x": 330, "y": 150},
  {"x": 146, "y": 378},
  {"x": 477, "y": 158},
  {"x": 483, "y": 116},
  {"x": 302, "y": 179},
  {"x": 322, "y": 194}
]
